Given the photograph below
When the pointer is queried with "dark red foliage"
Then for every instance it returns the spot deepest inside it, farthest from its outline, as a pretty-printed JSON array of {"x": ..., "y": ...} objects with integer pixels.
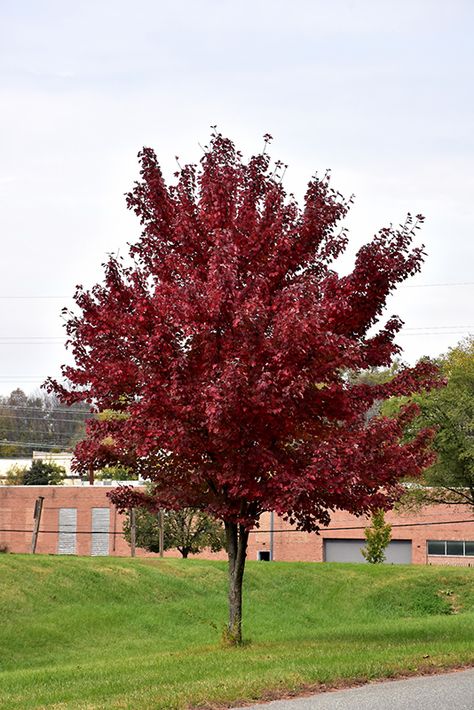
[{"x": 226, "y": 342}]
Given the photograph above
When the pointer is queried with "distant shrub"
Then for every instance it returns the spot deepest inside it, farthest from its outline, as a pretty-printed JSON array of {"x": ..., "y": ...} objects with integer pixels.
[
  {"x": 15, "y": 475},
  {"x": 43, "y": 473},
  {"x": 116, "y": 473}
]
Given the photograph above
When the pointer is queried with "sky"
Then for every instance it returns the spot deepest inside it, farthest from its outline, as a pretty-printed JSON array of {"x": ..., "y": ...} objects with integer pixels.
[{"x": 379, "y": 92}]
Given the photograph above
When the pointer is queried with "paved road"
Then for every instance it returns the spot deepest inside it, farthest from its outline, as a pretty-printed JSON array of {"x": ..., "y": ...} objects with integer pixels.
[{"x": 450, "y": 691}]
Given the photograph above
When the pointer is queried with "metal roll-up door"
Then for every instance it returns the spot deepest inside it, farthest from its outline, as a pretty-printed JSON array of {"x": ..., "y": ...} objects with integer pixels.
[
  {"x": 100, "y": 534},
  {"x": 67, "y": 531},
  {"x": 340, "y": 550}
]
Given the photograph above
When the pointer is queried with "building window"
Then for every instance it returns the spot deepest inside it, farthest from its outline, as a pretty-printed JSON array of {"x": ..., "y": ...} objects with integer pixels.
[
  {"x": 436, "y": 547},
  {"x": 264, "y": 555},
  {"x": 453, "y": 548}
]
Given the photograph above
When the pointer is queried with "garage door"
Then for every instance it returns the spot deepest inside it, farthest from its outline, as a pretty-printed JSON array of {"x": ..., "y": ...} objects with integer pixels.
[{"x": 398, "y": 552}]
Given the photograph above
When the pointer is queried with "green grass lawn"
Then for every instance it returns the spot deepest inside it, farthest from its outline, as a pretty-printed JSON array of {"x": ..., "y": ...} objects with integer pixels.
[{"x": 122, "y": 633}]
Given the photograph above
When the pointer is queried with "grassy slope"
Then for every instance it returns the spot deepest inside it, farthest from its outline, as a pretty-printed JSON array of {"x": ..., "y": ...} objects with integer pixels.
[{"x": 105, "y": 633}]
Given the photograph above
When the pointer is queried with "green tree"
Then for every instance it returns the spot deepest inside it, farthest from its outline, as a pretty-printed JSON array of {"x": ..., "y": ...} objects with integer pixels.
[
  {"x": 43, "y": 473},
  {"x": 450, "y": 411},
  {"x": 377, "y": 536},
  {"x": 15, "y": 475},
  {"x": 187, "y": 530},
  {"x": 116, "y": 473},
  {"x": 373, "y": 377}
]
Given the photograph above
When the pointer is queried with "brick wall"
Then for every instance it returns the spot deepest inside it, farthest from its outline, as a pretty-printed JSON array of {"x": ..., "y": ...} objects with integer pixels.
[
  {"x": 17, "y": 505},
  {"x": 288, "y": 546}
]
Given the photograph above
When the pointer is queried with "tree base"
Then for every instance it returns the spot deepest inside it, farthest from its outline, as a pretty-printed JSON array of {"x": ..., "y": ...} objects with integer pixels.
[{"x": 232, "y": 637}]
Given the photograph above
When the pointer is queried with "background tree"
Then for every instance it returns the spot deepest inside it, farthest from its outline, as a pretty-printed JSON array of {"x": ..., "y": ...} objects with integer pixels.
[
  {"x": 38, "y": 420},
  {"x": 116, "y": 473},
  {"x": 43, "y": 473},
  {"x": 223, "y": 343},
  {"x": 450, "y": 410},
  {"x": 375, "y": 376},
  {"x": 377, "y": 536},
  {"x": 187, "y": 530}
]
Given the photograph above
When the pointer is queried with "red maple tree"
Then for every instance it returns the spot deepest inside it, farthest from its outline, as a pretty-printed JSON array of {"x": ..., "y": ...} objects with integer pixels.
[{"x": 221, "y": 351}]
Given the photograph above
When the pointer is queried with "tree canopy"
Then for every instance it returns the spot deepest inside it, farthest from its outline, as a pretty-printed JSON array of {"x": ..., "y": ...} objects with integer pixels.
[
  {"x": 223, "y": 344},
  {"x": 450, "y": 411}
]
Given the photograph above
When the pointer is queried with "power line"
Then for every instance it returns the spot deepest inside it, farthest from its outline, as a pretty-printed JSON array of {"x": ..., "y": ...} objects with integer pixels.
[
  {"x": 40, "y": 445},
  {"x": 41, "y": 434},
  {"x": 67, "y": 532},
  {"x": 438, "y": 333},
  {"x": 34, "y": 433},
  {"x": 12, "y": 417},
  {"x": 435, "y": 327},
  {"x": 35, "y": 297},
  {"x": 363, "y": 527},
  {"x": 27, "y": 339},
  {"x": 256, "y": 532},
  {"x": 57, "y": 436},
  {"x": 41, "y": 409},
  {"x": 440, "y": 285}
]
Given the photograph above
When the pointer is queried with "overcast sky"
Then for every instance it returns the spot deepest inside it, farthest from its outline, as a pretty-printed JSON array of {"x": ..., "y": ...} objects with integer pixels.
[{"x": 380, "y": 92}]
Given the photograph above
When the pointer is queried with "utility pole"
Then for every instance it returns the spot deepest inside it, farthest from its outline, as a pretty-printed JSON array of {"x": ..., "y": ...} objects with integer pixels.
[
  {"x": 272, "y": 525},
  {"x": 162, "y": 532},
  {"x": 37, "y": 519},
  {"x": 133, "y": 531}
]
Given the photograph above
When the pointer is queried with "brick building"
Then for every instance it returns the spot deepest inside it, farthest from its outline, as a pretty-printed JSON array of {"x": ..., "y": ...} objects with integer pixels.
[{"x": 82, "y": 521}]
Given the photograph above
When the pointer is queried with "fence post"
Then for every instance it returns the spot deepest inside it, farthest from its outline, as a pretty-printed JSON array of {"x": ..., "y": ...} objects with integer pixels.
[
  {"x": 133, "y": 531},
  {"x": 37, "y": 519}
]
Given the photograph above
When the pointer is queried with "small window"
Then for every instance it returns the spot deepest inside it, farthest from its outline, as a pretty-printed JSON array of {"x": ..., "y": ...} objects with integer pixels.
[
  {"x": 436, "y": 547},
  {"x": 264, "y": 555},
  {"x": 469, "y": 549},
  {"x": 455, "y": 548}
]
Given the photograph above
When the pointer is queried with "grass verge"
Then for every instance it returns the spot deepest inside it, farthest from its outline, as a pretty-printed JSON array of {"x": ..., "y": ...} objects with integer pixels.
[{"x": 121, "y": 633}]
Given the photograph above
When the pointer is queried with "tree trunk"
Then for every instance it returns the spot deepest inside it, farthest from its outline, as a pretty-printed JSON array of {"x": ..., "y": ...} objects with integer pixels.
[
  {"x": 237, "y": 538},
  {"x": 184, "y": 552}
]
